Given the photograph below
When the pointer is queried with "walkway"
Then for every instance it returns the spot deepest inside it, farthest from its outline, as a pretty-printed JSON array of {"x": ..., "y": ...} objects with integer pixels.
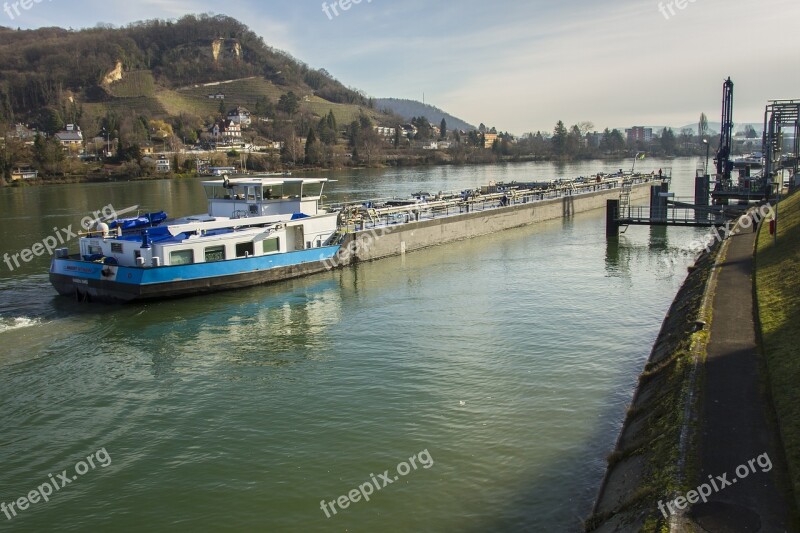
[{"x": 734, "y": 427}]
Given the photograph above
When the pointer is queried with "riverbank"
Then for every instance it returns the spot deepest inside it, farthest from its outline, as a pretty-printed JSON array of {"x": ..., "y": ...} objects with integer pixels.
[
  {"x": 644, "y": 466},
  {"x": 422, "y": 160},
  {"x": 703, "y": 408}
]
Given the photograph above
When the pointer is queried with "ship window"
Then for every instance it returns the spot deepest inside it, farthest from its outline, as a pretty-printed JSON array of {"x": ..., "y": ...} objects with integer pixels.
[
  {"x": 95, "y": 250},
  {"x": 181, "y": 257},
  {"x": 215, "y": 253},
  {"x": 245, "y": 248},
  {"x": 292, "y": 190},
  {"x": 116, "y": 248},
  {"x": 272, "y": 246},
  {"x": 312, "y": 189}
]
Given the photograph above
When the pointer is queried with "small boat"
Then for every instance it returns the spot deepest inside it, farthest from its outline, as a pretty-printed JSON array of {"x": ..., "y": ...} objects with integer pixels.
[
  {"x": 258, "y": 229},
  {"x": 754, "y": 160}
]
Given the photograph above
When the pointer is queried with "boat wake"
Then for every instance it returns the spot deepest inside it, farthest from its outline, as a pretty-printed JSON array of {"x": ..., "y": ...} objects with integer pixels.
[{"x": 10, "y": 324}]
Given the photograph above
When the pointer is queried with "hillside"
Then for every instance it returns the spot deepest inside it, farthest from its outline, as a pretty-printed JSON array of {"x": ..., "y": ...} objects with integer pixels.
[
  {"x": 411, "y": 108},
  {"x": 158, "y": 70}
]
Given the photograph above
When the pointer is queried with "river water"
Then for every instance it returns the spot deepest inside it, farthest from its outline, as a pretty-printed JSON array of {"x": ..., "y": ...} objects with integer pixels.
[{"x": 503, "y": 365}]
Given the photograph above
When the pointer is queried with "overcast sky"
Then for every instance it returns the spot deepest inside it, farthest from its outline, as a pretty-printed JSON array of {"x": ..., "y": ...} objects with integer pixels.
[{"x": 518, "y": 65}]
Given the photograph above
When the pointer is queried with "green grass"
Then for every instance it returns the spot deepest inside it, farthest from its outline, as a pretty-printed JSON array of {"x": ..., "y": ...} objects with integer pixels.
[
  {"x": 778, "y": 293},
  {"x": 138, "y": 94},
  {"x": 138, "y": 83}
]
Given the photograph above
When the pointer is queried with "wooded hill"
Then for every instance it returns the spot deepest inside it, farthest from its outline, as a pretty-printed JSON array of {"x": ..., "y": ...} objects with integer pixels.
[{"x": 154, "y": 70}]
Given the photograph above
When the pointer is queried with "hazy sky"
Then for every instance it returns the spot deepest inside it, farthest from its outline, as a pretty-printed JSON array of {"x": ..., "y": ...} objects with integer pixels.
[{"x": 517, "y": 65}]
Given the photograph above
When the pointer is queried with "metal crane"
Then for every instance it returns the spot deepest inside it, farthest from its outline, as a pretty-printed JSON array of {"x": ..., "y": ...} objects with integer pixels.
[{"x": 723, "y": 157}]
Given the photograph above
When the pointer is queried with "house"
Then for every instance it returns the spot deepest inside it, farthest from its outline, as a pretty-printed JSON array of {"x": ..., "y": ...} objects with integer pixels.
[
  {"x": 71, "y": 138},
  {"x": 163, "y": 164},
  {"x": 232, "y": 131},
  {"x": 26, "y": 173},
  {"x": 639, "y": 134},
  {"x": 221, "y": 171},
  {"x": 216, "y": 96},
  {"x": 409, "y": 130},
  {"x": 23, "y": 133},
  {"x": 148, "y": 149},
  {"x": 240, "y": 115},
  {"x": 226, "y": 132},
  {"x": 489, "y": 139},
  {"x": 386, "y": 133}
]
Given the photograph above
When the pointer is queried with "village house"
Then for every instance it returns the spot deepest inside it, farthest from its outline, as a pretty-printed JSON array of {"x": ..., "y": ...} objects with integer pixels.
[
  {"x": 24, "y": 173},
  {"x": 226, "y": 132},
  {"x": 386, "y": 133},
  {"x": 241, "y": 116},
  {"x": 23, "y": 133},
  {"x": 71, "y": 138},
  {"x": 489, "y": 139},
  {"x": 163, "y": 164}
]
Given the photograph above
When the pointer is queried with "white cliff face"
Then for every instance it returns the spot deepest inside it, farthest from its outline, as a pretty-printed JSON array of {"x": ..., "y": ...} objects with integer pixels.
[
  {"x": 216, "y": 48},
  {"x": 114, "y": 75}
]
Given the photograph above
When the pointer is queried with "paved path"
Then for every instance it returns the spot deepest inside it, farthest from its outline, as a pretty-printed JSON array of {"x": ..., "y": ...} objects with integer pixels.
[{"x": 734, "y": 428}]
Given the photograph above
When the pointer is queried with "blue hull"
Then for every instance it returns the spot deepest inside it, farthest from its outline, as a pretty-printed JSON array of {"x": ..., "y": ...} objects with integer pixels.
[{"x": 86, "y": 280}]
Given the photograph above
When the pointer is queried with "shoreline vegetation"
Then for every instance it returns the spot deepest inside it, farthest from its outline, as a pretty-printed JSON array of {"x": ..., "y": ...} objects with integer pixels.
[
  {"x": 97, "y": 175},
  {"x": 777, "y": 288}
]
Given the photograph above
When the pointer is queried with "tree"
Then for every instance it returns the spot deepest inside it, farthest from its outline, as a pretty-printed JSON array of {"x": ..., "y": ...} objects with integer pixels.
[
  {"x": 353, "y": 133},
  {"x": 559, "y": 139},
  {"x": 327, "y": 129},
  {"x": 668, "y": 141},
  {"x": 313, "y": 148},
  {"x": 424, "y": 130},
  {"x": 585, "y": 127},
  {"x": 617, "y": 141},
  {"x": 264, "y": 108},
  {"x": 40, "y": 150},
  {"x": 750, "y": 132},
  {"x": 289, "y": 103},
  {"x": 612, "y": 141},
  {"x": 443, "y": 129},
  {"x": 574, "y": 140},
  {"x": 222, "y": 109},
  {"x": 702, "y": 126}
]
